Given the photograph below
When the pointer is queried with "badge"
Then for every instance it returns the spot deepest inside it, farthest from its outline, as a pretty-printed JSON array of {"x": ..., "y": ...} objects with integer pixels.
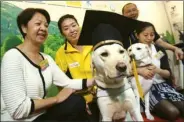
[
  {"x": 75, "y": 64},
  {"x": 44, "y": 64},
  {"x": 159, "y": 55}
]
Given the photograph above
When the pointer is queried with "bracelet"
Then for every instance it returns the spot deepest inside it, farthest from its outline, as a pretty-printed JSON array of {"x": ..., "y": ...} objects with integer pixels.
[{"x": 84, "y": 84}]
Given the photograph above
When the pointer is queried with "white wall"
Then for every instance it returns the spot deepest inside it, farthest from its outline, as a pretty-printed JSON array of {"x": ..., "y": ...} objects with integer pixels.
[
  {"x": 55, "y": 11},
  {"x": 175, "y": 16},
  {"x": 152, "y": 11}
]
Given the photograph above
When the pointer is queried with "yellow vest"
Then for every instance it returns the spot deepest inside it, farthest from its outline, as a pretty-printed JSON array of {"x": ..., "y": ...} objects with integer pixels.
[{"x": 77, "y": 64}]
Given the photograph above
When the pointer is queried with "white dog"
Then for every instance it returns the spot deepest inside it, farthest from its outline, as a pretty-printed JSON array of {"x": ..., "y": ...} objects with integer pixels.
[
  {"x": 142, "y": 57},
  {"x": 115, "y": 96}
]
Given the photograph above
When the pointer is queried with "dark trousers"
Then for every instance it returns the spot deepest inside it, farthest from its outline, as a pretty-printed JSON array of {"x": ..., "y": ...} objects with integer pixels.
[
  {"x": 70, "y": 110},
  {"x": 95, "y": 117}
]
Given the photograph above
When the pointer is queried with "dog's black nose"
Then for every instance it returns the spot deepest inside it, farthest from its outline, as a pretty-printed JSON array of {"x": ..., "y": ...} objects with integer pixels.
[
  {"x": 121, "y": 67},
  {"x": 132, "y": 56}
]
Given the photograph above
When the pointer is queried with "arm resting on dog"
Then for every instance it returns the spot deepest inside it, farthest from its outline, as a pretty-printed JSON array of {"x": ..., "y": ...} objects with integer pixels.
[
  {"x": 148, "y": 73},
  {"x": 162, "y": 72},
  {"x": 145, "y": 72}
]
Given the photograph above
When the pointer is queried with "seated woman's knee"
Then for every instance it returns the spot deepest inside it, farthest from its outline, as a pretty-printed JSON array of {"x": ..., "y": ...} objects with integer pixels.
[
  {"x": 78, "y": 102},
  {"x": 173, "y": 113}
]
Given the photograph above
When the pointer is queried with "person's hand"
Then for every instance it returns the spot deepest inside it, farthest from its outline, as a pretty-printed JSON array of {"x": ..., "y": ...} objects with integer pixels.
[
  {"x": 88, "y": 110},
  {"x": 156, "y": 70},
  {"x": 90, "y": 82},
  {"x": 64, "y": 94},
  {"x": 146, "y": 72},
  {"x": 179, "y": 53},
  {"x": 151, "y": 67}
]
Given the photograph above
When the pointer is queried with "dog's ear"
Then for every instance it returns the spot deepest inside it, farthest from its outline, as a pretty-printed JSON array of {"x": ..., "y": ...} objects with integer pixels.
[
  {"x": 93, "y": 67},
  {"x": 129, "y": 49},
  {"x": 129, "y": 67},
  {"x": 92, "y": 63}
]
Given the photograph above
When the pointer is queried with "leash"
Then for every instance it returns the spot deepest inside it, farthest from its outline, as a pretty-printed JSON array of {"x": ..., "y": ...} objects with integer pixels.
[{"x": 136, "y": 75}]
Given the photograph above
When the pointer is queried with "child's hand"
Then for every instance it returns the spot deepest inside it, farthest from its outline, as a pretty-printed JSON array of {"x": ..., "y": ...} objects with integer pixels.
[
  {"x": 146, "y": 73},
  {"x": 154, "y": 69},
  {"x": 157, "y": 70},
  {"x": 151, "y": 67}
]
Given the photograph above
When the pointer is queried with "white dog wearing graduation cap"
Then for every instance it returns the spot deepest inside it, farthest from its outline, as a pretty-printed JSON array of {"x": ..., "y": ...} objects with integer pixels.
[
  {"x": 115, "y": 97},
  {"x": 142, "y": 56}
]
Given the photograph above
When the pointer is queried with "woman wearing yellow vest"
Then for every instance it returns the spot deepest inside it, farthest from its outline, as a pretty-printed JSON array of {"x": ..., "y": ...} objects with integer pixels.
[{"x": 75, "y": 60}]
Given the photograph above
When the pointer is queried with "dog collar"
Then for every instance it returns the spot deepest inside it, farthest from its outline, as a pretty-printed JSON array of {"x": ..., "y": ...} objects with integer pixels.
[
  {"x": 106, "y": 42},
  {"x": 110, "y": 88},
  {"x": 102, "y": 92}
]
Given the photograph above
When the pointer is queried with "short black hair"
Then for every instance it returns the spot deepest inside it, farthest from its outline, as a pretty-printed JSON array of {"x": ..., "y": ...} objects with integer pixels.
[
  {"x": 142, "y": 26},
  {"x": 62, "y": 18},
  {"x": 26, "y": 15},
  {"x": 123, "y": 9}
]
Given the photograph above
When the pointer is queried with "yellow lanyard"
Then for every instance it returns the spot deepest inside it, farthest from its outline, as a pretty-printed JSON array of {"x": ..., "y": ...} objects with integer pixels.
[
  {"x": 137, "y": 79},
  {"x": 136, "y": 76}
]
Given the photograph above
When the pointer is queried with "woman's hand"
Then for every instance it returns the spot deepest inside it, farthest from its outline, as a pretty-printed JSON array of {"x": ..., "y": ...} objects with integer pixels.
[
  {"x": 64, "y": 94},
  {"x": 146, "y": 72},
  {"x": 156, "y": 70},
  {"x": 90, "y": 82},
  {"x": 88, "y": 110},
  {"x": 151, "y": 67},
  {"x": 162, "y": 72},
  {"x": 179, "y": 53}
]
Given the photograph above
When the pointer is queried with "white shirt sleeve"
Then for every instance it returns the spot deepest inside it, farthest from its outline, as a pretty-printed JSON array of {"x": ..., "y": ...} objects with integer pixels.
[
  {"x": 13, "y": 87},
  {"x": 61, "y": 79}
]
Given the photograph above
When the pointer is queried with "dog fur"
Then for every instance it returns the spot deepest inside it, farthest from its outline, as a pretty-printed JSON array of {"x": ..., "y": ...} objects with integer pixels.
[
  {"x": 142, "y": 57},
  {"x": 115, "y": 97}
]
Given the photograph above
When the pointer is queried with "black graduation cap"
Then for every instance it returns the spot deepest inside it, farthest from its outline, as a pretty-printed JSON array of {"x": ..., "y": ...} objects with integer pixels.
[{"x": 99, "y": 26}]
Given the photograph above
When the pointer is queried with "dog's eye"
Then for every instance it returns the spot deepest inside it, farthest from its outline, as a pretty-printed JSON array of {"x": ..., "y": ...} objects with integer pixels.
[
  {"x": 121, "y": 51},
  {"x": 104, "y": 54},
  {"x": 129, "y": 50},
  {"x": 138, "y": 48}
]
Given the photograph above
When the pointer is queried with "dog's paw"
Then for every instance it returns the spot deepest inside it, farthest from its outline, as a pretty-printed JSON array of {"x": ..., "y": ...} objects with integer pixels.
[{"x": 149, "y": 116}]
